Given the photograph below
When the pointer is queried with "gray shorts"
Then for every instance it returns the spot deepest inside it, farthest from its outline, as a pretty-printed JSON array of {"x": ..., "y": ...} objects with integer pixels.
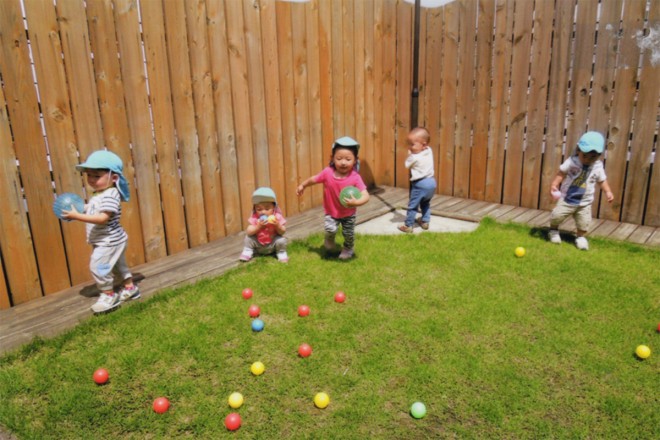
[
  {"x": 108, "y": 262},
  {"x": 581, "y": 214}
]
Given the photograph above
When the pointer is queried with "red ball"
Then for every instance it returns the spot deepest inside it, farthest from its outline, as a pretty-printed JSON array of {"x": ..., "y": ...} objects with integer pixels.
[
  {"x": 658, "y": 328},
  {"x": 101, "y": 376},
  {"x": 233, "y": 421},
  {"x": 254, "y": 311},
  {"x": 304, "y": 350},
  {"x": 340, "y": 297},
  {"x": 247, "y": 293},
  {"x": 303, "y": 311},
  {"x": 161, "y": 405}
]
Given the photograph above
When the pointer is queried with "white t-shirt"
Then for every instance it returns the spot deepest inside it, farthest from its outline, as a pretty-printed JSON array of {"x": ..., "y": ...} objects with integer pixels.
[
  {"x": 579, "y": 185},
  {"x": 111, "y": 233},
  {"x": 420, "y": 164}
]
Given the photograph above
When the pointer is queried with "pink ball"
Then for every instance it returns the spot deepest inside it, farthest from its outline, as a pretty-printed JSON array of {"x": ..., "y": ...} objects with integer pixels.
[
  {"x": 304, "y": 350},
  {"x": 247, "y": 293},
  {"x": 303, "y": 310},
  {"x": 340, "y": 297},
  {"x": 254, "y": 311}
]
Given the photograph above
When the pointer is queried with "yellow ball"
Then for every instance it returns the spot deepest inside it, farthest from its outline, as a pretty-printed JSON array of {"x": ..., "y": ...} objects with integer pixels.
[
  {"x": 257, "y": 368},
  {"x": 321, "y": 400},
  {"x": 520, "y": 251},
  {"x": 272, "y": 219},
  {"x": 235, "y": 400},
  {"x": 642, "y": 351}
]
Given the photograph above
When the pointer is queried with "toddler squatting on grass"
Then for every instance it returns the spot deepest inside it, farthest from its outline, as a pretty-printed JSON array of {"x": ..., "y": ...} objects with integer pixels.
[
  {"x": 266, "y": 228},
  {"x": 578, "y": 176},
  {"x": 108, "y": 238},
  {"x": 342, "y": 172}
]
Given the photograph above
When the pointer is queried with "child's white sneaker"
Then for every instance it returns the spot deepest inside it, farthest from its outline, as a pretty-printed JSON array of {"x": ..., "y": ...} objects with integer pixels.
[
  {"x": 582, "y": 244},
  {"x": 554, "y": 236},
  {"x": 106, "y": 303},
  {"x": 129, "y": 293},
  {"x": 282, "y": 257}
]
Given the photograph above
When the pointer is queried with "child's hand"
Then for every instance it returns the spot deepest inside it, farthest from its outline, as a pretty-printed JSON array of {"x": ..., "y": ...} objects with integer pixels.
[
  {"x": 300, "y": 190},
  {"x": 610, "y": 196},
  {"x": 351, "y": 201},
  {"x": 71, "y": 214}
]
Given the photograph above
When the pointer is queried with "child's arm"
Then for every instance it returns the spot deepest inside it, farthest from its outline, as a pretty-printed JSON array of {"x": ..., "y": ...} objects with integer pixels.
[
  {"x": 306, "y": 183},
  {"x": 608, "y": 191},
  {"x": 554, "y": 186},
  {"x": 100, "y": 218},
  {"x": 354, "y": 203}
]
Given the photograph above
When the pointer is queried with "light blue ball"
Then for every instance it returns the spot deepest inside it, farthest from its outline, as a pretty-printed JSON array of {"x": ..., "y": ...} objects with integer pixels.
[
  {"x": 257, "y": 325},
  {"x": 64, "y": 203},
  {"x": 263, "y": 218}
]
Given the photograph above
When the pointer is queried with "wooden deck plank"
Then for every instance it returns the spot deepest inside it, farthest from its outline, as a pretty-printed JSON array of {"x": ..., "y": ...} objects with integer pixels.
[{"x": 51, "y": 315}]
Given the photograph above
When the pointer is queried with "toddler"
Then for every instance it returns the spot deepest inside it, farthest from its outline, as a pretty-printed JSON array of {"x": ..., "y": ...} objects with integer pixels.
[
  {"x": 578, "y": 176},
  {"x": 266, "y": 228},
  {"x": 422, "y": 183},
  {"x": 104, "y": 232},
  {"x": 341, "y": 172}
]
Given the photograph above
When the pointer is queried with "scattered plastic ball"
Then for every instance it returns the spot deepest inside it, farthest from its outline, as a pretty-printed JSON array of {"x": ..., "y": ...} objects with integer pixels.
[
  {"x": 263, "y": 218},
  {"x": 643, "y": 351},
  {"x": 254, "y": 311},
  {"x": 347, "y": 192},
  {"x": 235, "y": 400},
  {"x": 257, "y": 368},
  {"x": 233, "y": 421},
  {"x": 520, "y": 252},
  {"x": 321, "y": 400},
  {"x": 303, "y": 311},
  {"x": 161, "y": 405},
  {"x": 305, "y": 350},
  {"x": 257, "y": 325},
  {"x": 272, "y": 219},
  {"x": 418, "y": 410},
  {"x": 247, "y": 293},
  {"x": 340, "y": 297},
  {"x": 101, "y": 376},
  {"x": 65, "y": 201}
]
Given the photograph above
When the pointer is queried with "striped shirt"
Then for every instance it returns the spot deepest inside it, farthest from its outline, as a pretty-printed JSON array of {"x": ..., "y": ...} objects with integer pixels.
[{"x": 110, "y": 233}]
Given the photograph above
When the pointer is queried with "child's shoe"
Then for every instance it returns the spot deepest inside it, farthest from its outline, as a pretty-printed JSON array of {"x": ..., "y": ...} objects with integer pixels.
[
  {"x": 106, "y": 303},
  {"x": 422, "y": 224},
  {"x": 129, "y": 293},
  {"x": 582, "y": 244},
  {"x": 246, "y": 255},
  {"x": 554, "y": 236},
  {"x": 346, "y": 254},
  {"x": 406, "y": 229},
  {"x": 329, "y": 244},
  {"x": 282, "y": 257}
]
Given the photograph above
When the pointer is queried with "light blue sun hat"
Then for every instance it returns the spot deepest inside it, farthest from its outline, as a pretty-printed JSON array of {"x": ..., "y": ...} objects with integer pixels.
[
  {"x": 592, "y": 141},
  {"x": 263, "y": 194},
  {"x": 107, "y": 160}
]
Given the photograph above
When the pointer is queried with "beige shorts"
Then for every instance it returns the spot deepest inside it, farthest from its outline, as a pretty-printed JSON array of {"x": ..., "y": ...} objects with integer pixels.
[{"x": 581, "y": 214}]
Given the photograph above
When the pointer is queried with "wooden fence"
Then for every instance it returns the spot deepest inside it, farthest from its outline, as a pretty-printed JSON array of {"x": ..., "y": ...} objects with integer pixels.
[{"x": 205, "y": 100}]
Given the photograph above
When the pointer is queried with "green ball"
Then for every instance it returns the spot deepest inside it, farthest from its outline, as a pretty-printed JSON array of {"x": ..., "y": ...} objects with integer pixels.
[
  {"x": 347, "y": 192},
  {"x": 418, "y": 410}
]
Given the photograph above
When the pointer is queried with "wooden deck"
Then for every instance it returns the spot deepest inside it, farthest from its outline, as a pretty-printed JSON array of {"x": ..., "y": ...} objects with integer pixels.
[{"x": 53, "y": 314}]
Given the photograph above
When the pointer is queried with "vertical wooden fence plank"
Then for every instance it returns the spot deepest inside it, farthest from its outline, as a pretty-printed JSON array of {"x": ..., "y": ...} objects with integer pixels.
[
  {"x": 16, "y": 242},
  {"x": 137, "y": 108},
  {"x": 580, "y": 92},
  {"x": 645, "y": 125},
  {"x": 285, "y": 51},
  {"x": 272, "y": 101},
  {"x": 116, "y": 133},
  {"x": 403, "y": 88},
  {"x": 326, "y": 64},
  {"x": 465, "y": 104},
  {"x": 498, "y": 100},
  {"x": 433, "y": 84},
  {"x": 62, "y": 148},
  {"x": 241, "y": 104},
  {"x": 482, "y": 99},
  {"x": 184, "y": 120},
  {"x": 160, "y": 97},
  {"x": 368, "y": 143},
  {"x": 5, "y": 303},
  {"x": 314, "y": 84},
  {"x": 349, "y": 90},
  {"x": 359, "y": 69},
  {"x": 224, "y": 115},
  {"x": 421, "y": 74},
  {"x": 23, "y": 106},
  {"x": 558, "y": 85},
  {"x": 625, "y": 80},
  {"x": 388, "y": 86},
  {"x": 449, "y": 77},
  {"x": 536, "y": 105},
  {"x": 301, "y": 100},
  {"x": 520, "y": 60},
  {"x": 650, "y": 73},
  {"x": 337, "y": 43}
]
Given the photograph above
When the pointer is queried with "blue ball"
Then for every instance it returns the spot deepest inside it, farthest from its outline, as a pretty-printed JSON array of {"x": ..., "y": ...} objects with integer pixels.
[
  {"x": 263, "y": 218},
  {"x": 257, "y": 325},
  {"x": 64, "y": 203}
]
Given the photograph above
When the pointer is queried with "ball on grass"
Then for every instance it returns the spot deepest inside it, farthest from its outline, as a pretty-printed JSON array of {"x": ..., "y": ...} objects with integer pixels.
[
  {"x": 257, "y": 325},
  {"x": 418, "y": 410},
  {"x": 257, "y": 368},
  {"x": 305, "y": 350},
  {"x": 340, "y": 297},
  {"x": 233, "y": 421},
  {"x": 254, "y": 311},
  {"x": 235, "y": 400},
  {"x": 520, "y": 252},
  {"x": 161, "y": 405},
  {"x": 303, "y": 311},
  {"x": 321, "y": 400},
  {"x": 247, "y": 293},
  {"x": 101, "y": 376},
  {"x": 643, "y": 351}
]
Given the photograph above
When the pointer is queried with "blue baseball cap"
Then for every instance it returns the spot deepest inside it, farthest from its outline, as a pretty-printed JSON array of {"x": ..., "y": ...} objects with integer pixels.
[
  {"x": 592, "y": 141},
  {"x": 107, "y": 160}
]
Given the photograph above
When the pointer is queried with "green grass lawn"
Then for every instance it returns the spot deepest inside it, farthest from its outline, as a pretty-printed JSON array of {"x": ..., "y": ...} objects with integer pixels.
[{"x": 495, "y": 346}]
